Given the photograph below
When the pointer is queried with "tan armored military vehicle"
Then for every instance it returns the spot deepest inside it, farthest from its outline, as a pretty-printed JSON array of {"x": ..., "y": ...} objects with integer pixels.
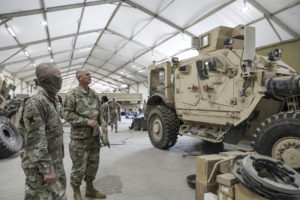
[
  {"x": 227, "y": 93},
  {"x": 10, "y": 140}
]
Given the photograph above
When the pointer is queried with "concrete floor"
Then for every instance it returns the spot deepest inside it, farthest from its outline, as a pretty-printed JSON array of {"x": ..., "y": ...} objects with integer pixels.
[{"x": 131, "y": 169}]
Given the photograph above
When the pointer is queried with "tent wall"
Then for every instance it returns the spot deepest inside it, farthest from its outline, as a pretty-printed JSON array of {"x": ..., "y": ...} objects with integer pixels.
[{"x": 290, "y": 52}]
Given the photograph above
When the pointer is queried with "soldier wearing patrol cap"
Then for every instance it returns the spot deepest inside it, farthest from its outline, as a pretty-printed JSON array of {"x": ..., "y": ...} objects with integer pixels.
[
  {"x": 114, "y": 112},
  {"x": 41, "y": 129},
  {"x": 82, "y": 111},
  {"x": 105, "y": 113}
]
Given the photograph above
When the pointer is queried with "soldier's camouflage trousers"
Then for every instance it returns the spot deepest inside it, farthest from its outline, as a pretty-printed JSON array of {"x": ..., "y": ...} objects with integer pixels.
[
  {"x": 85, "y": 157},
  {"x": 114, "y": 120},
  {"x": 37, "y": 189}
]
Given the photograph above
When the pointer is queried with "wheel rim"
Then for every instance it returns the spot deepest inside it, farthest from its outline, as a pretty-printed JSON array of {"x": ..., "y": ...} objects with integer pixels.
[
  {"x": 7, "y": 133},
  {"x": 157, "y": 129},
  {"x": 287, "y": 149}
]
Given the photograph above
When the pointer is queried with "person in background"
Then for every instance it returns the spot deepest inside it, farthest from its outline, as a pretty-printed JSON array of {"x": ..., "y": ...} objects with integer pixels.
[
  {"x": 114, "y": 112},
  {"x": 105, "y": 113},
  {"x": 58, "y": 106}
]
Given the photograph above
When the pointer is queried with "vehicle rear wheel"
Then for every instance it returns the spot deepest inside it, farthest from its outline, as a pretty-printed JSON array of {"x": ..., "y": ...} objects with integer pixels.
[
  {"x": 10, "y": 140},
  {"x": 163, "y": 126},
  {"x": 279, "y": 136}
]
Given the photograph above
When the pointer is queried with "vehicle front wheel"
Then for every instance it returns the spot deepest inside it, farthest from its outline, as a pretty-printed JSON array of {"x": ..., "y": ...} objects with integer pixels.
[{"x": 163, "y": 126}]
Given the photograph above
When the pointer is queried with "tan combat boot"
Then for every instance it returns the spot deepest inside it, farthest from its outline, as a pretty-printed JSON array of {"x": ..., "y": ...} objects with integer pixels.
[
  {"x": 92, "y": 192},
  {"x": 77, "y": 193}
]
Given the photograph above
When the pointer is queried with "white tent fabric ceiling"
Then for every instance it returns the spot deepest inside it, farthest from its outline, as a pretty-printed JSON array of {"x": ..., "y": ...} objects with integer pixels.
[{"x": 118, "y": 39}]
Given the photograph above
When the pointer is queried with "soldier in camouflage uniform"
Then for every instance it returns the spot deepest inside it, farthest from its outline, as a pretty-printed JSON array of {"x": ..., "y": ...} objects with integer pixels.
[
  {"x": 41, "y": 129},
  {"x": 105, "y": 113},
  {"x": 82, "y": 111},
  {"x": 114, "y": 112}
]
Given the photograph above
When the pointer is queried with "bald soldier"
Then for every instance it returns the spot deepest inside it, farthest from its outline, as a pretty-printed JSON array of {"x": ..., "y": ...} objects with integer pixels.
[
  {"x": 114, "y": 112},
  {"x": 82, "y": 111},
  {"x": 41, "y": 129}
]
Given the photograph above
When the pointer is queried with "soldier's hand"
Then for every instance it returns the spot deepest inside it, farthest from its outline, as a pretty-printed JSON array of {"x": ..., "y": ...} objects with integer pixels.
[
  {"x": 103, "y": 129},
  {"x": 92, "y": 123},
  {"x": 50, "y": 178}
]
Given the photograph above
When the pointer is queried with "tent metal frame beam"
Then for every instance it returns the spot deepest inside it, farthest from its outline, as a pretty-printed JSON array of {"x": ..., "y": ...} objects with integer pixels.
[
  {"x": 56, "y": 8},
  {"x": 74, "y": 73},
  {"x": 122, "y": 76},
  {"x": 156, "y": 16},
  {"x": 118, "y": 68},
  {"x": 125, "y": 58},
  {"x": 46, "y": 55},
  {"x": 269, "y": 15},
  {"x": 167, "y": 39},
  {"x": 100, "y": 36},
  {"x": 52, "y": 39},
  {"x": 134, "y": 41},
  {"x": 21, "y": 49},
  {"x": 76, "y": 36},
  {"x": 275, "y": 13},
  {"x": 42, "y": 3}
]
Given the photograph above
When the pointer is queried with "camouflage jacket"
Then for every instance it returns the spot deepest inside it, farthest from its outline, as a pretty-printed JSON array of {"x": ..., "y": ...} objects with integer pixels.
[
  {"x": 114, "y": 108},
  {"x": 80, "y": 106},
  {"x": 104, "y": 111},
  {"x": 41, "y": 129}
]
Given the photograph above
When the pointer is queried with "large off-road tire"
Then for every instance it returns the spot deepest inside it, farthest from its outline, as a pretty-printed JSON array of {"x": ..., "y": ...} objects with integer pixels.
[
  {"x": 163, "y": 126},
  {"x": 10, "y": 140},
  {"x": 279, "y": 136}
]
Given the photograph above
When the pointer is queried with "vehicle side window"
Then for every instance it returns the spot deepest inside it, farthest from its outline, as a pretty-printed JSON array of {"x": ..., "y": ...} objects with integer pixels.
[
  {"x": 202, "y": 70},
  {"x": 214, "y": 64}
]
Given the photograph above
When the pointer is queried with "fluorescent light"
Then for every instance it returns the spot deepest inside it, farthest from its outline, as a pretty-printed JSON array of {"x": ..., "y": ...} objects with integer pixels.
[
  {"x": 245, "y": 8},
  {"x": 152, "y": 56},
  {"x": 49, "y": 48},
  {"x": 34, "y": 64},
  {"x": 11, "y": 31},
  {"x": 44, "y": 23},
  {"x": 52, "y": 60},
  {"x": 26, "y": 53},
  {"x": 133, "y": 65},
  {"x": 122, "y": 72}
]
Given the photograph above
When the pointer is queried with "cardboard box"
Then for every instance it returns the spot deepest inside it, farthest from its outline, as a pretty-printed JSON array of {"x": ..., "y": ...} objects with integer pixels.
[
  {"x": 205, "y": 165},
  {"x": 222, "y": 196},
  {"x": 226, "y": 179},
  {"x": 225, "y": 167},
  {"x": 202, "y": 188},
  {"x": 228, "y": 191},
  {"x": 210, "y": 196},
  {"x": 232, "y": 153},
  {"x": 242, "y": 193}
]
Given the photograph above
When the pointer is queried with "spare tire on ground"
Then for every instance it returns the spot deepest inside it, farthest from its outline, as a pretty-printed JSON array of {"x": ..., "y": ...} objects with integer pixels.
[
  {"x": 191, "y": 180},
  {"x": 10, "y": 140}
]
